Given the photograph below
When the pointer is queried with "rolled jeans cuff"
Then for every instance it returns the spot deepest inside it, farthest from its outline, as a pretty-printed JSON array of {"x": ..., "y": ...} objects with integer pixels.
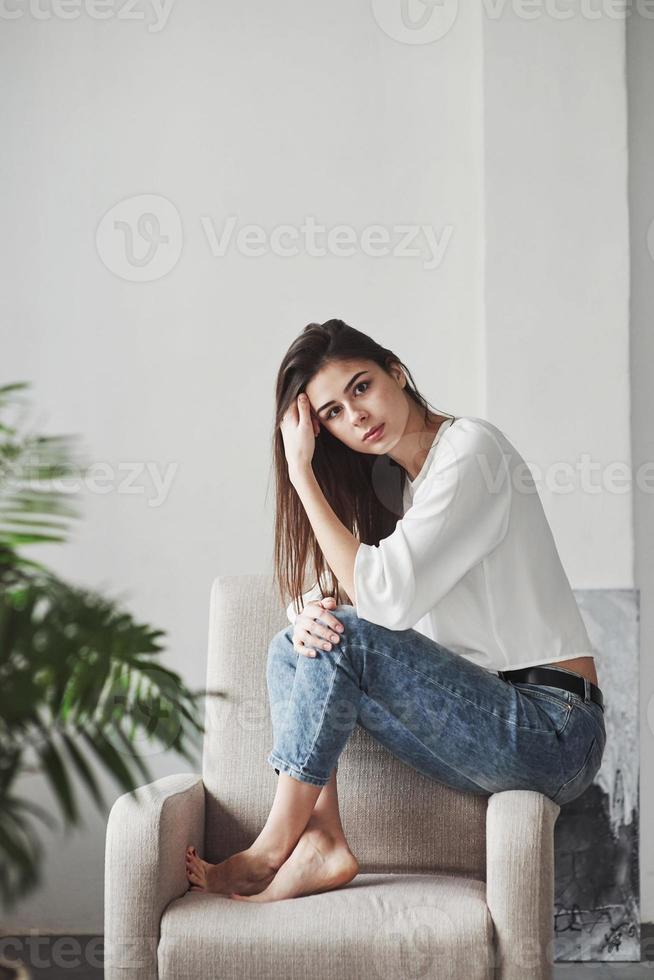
[{"x": 303, "y": 777}]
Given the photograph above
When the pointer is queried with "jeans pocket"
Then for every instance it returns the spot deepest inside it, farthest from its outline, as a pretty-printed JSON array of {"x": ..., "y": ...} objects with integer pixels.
[
  {"x": 592, "y": 708},
  {"x": 553, "y": 702},
  {"x": 579, "y": 783}
]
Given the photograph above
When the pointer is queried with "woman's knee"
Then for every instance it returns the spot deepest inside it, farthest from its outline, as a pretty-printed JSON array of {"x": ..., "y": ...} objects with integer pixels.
[
  {"x": 281, "y": 642},
  {"x": 346, "y": 613}
]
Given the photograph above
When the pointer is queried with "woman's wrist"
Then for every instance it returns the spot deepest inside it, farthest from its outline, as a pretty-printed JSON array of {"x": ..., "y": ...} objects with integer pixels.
[{"x": 298, "y": 474}]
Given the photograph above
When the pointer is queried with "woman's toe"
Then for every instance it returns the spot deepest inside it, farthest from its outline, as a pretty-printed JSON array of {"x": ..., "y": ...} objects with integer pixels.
[{"x": 192, "y": 871}]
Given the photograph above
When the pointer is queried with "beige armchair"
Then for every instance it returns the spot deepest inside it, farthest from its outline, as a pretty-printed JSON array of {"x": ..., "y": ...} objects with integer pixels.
[{"x": 451, "y": 885}]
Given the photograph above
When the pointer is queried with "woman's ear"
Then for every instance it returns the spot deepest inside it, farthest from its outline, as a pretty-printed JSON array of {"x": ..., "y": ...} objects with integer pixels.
[{"x": 398, "y": 374}]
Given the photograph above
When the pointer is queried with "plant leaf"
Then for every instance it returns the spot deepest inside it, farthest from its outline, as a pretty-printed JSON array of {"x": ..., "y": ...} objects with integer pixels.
[
  {"x": 84, "y": 770},
  {"x": 57, "y": 776}
]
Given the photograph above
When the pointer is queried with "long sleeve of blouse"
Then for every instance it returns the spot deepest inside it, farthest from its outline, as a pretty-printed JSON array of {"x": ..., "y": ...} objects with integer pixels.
[{"x": 458, "y": 515}]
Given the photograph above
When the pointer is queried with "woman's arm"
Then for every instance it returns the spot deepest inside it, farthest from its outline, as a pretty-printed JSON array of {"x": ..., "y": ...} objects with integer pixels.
[{"x": 459, "y": 514}]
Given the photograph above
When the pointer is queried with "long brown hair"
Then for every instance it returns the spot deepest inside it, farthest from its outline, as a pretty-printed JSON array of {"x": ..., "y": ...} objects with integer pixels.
[{"x": 364, "y": 491}]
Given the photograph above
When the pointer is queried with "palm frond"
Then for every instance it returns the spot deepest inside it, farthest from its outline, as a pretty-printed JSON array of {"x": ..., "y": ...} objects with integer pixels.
[{"x": 81, "y": 683}]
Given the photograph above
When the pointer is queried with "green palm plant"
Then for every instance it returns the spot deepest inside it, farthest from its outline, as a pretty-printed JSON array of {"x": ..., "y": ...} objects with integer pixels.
[{"x": 80, "y": 682}]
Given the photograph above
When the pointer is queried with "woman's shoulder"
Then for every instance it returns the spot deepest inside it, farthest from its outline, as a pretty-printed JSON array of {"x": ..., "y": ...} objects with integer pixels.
[
  {"x": 471, "y": 432},
  {"x": 470, "y": 449}
]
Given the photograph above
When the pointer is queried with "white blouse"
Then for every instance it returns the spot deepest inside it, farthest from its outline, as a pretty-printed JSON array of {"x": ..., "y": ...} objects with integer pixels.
[{"x": 472, "y": 563}]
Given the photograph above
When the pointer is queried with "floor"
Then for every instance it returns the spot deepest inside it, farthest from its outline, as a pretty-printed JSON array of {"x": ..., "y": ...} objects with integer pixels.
[{"x": 80, "y": 958}]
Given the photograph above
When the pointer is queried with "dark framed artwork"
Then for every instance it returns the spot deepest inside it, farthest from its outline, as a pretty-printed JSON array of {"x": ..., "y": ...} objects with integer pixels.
[{"x": 596, "y": 895}]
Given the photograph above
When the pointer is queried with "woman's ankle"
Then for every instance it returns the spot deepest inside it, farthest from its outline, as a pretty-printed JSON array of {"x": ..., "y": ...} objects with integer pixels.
[{"x": 334, "y": 831}]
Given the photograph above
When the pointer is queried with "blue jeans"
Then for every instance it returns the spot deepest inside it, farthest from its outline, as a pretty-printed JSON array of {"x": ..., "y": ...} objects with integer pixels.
[{"x": 451, "y": 719}]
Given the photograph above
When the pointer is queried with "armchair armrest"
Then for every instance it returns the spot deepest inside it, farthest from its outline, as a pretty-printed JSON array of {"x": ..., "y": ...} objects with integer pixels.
[
  {"x": 520, "y": 882},
  {"x": 147, "y": 833}
]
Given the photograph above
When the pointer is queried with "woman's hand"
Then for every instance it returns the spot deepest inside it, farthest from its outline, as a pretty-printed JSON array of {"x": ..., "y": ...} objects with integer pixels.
[
  {"x": 299, "y": 429},
  {"x": 310, "y": 633}
]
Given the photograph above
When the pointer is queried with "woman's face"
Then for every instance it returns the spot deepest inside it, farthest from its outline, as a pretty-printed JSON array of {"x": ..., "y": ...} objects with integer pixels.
[{"x": 351, "y": 397}]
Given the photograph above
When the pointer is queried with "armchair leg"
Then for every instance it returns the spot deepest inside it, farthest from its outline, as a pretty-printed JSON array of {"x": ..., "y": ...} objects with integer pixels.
[{"x": 520, "y": 882}]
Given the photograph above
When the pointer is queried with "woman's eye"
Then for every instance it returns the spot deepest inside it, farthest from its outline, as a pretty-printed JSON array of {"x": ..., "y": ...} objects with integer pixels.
[{"x": 367, "y": 384}]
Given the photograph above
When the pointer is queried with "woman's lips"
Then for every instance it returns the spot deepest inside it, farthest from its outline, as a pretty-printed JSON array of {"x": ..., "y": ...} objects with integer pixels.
[{"x": 375, "y": 434}]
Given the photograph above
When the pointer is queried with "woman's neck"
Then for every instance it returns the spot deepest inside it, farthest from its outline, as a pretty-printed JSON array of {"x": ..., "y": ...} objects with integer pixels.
[{"x": 413, "y": 448}]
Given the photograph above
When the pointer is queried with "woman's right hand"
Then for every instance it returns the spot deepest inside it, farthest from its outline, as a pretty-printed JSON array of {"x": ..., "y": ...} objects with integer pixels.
[{"x": 309, "y": 633}]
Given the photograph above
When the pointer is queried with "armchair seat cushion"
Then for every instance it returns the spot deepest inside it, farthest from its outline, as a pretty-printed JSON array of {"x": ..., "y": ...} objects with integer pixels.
[{"x": 378, "y": 926}]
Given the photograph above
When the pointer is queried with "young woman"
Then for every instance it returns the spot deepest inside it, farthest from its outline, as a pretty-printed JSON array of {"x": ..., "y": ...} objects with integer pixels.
[{"x": 448, "y": 629}]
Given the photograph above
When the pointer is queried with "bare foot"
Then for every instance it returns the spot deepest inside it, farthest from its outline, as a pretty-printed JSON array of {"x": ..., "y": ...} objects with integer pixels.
[
  {"x": 247, "y": 872},
  {"x": 318, "y": 863}
]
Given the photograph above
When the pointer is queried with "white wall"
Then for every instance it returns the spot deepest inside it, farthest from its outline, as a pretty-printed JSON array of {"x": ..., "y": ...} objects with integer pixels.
[
  {"x": 557, "y": 290},
  {"x": 273, "y": 115},
  {"x": 557, "y": 272},
  {"x": 640, "y": 79}
]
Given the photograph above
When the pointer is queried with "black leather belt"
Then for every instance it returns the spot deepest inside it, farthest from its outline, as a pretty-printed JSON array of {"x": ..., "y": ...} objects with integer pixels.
[{"x": 555, "y": 677}]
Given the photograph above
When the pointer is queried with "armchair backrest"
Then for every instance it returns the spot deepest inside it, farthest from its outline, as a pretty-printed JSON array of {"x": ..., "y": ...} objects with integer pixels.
[{"x": 395, "y": 819}]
